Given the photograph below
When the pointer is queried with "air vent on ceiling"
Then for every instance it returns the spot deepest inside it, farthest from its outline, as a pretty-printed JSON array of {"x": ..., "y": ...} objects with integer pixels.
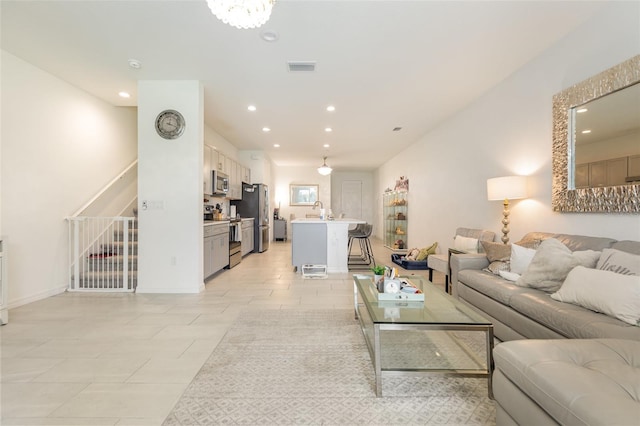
[{"x": 301, "y": 66}]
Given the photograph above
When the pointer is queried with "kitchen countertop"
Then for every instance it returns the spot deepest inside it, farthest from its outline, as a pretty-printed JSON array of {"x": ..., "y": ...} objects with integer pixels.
[
  {"x": 214, "y": 222},
  {"x": 317, "y": 220}
]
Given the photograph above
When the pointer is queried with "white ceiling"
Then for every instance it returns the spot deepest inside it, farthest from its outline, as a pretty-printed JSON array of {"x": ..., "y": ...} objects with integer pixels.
[{"x": 383, "y": 64}]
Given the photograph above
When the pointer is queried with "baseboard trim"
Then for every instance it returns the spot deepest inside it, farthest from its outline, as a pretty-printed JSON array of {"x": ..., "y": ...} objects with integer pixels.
[{"x": 34, "y": 298}]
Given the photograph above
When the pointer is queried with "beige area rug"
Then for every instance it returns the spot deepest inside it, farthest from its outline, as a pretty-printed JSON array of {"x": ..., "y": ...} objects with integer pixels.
[{"x": 313, "y": 368}]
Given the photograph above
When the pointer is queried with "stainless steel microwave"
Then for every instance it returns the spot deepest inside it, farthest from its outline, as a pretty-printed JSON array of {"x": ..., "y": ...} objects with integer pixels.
[{"x": 220, "y": 183}]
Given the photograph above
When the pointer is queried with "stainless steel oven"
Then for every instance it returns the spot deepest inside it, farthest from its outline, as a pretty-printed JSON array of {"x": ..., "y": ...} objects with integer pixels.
[{"x": 235, "y": 243}]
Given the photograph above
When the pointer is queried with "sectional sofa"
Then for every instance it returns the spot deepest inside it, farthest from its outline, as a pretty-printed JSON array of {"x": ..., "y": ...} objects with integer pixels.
[{"x": 561, "y": 363}]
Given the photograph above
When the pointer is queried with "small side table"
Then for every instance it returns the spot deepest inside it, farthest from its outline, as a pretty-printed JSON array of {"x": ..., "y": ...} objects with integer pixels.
[{"x": 280, "y": 230}]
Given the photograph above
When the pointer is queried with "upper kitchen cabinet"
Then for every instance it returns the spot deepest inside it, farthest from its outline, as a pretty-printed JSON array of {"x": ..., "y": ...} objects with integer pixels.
[
  {"x": 246, "y": 175},
  {"x": 206, "y": 170},
  {"x": 222, "y": 163},
  {"x": 237, "y": 173}
]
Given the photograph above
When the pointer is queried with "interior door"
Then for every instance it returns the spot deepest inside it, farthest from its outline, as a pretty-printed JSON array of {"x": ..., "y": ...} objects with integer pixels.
[{"x": 352, "y": 199}]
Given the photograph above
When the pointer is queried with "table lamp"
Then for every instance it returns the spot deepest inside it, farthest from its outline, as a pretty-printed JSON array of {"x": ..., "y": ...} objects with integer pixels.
[{"x": 506, "y": 188}]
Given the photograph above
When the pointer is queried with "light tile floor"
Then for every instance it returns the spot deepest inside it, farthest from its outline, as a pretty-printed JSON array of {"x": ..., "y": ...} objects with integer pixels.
[{"x": 125, "y": 359}]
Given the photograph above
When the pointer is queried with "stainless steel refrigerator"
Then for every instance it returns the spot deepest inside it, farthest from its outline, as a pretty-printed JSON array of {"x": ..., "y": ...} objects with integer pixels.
[{"x": 255, "y": 204}]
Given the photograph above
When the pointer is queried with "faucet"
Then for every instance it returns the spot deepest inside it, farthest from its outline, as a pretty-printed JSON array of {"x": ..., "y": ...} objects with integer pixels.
[{"x": 316, "y": 204}]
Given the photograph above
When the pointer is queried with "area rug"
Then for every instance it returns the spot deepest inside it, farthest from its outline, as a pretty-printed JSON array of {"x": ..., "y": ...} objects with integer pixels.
[{"x": 277, "y": 367}]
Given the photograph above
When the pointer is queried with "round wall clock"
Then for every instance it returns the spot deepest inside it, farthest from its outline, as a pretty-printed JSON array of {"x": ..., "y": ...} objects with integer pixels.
[{"x": 170, "y": 124}]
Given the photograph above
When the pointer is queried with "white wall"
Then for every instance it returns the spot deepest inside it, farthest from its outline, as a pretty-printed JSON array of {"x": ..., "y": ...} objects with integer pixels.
[
  {"x": 170, "y": 180},
  {"x": 60, "y": 146},
  {"x": 368, "y": 194},
  {"x": 285, "y": 176},
  {"x": 509, "y": 131},
  {"x": 216, "y": 141}
]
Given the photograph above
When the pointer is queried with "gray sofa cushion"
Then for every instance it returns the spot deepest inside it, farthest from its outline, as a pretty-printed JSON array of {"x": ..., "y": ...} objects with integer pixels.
[
  {"x": 565, "y": 319},
  {"x": 490, "y": 285},
  {"x": 573, "y": 242},
  {"x": 628, "y": 246},
  {"x": 570, "y": 320},
  {"x": 578, "y": 382}
]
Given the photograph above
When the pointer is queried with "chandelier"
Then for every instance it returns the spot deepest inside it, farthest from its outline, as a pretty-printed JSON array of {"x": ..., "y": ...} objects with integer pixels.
[
  {"x": 242, "y": 14},
  {"x": 324, "y": 170}
]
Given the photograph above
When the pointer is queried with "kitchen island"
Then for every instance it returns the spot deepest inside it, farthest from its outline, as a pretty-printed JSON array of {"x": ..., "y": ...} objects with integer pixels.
[{"x": 321, "y": 242}]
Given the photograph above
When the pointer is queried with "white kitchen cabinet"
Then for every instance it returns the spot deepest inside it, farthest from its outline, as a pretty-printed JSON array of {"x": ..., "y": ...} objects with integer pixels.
[
  {"x": 215, "y": 247},
  {"x": 220, "y": 252},
  {"x": 238, "y": 179},
  {"x": 634, "y": 166},
  {"x": 207, "y": 187},
  {"x": 234, "y": 183},
  {"x": 247, "y": 236},
  {"x": 246, "y": 175},
  {"x": 221, "y": 163}
]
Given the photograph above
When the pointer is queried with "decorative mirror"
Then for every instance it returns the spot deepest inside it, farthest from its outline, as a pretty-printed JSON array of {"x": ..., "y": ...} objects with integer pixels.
[
  {"x": 303, "y": 195},
  {"x": 608, "y": 182}
]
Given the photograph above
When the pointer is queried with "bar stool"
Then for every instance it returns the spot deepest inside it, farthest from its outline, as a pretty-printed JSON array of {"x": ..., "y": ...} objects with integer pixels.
[{"x": 365, "y": 258}]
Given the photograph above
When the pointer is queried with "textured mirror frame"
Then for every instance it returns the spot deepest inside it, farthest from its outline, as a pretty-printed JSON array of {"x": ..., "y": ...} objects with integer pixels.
[{"x": 607, "y": 199}]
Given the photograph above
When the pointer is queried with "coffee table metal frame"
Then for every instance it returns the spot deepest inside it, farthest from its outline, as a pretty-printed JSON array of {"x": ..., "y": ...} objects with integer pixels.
[{"x": 475, "y": 323}]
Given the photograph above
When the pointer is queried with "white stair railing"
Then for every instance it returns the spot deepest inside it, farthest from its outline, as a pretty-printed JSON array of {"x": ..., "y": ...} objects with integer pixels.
[{"x": 103, "y": 254}]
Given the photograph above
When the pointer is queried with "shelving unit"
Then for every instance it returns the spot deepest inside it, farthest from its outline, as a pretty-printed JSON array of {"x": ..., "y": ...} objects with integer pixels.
[{"x": 396, "y": 220}]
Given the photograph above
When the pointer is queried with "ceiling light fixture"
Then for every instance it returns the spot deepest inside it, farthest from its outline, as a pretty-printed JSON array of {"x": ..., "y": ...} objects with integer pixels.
[
  {"x": 324, "y": 170},
  {"x": 326, "y": 145},
  {"x": 269, "y": 35},
  {"x": 242, "y": 14},
  {"x": 124, "y": 95},
  {"x": 586, "y": 132},
  {"x": 266, "y": 129},
  {"x": 331, "y": 108},
  {"x": 328, "y": 129},
  {"x": 276, "y": 145},
  {"x": 252, "y": 108},
  {"x": 135, "y": 64}
]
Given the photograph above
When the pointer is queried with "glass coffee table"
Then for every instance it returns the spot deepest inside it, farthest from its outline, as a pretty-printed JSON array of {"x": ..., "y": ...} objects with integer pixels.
[{"x": 434, "y": 336}]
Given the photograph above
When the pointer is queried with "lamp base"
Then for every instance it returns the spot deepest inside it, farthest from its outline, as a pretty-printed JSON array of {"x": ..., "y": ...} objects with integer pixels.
[{"x": 505, "y": 222}]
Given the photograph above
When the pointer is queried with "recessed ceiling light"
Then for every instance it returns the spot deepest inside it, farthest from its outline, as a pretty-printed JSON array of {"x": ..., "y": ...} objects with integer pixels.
[
  {"x": 584, "y": 132},
  {"x": 266, "y": 129},
  {"x": 581, "y": 110},
  {"x": 124, "y": 95},
  {"x": 135, "y": 64},
  {"x": 276, "y": 145},
  {"x": 326, "y": 145},
  {"x": 269, "y": 35},
  {"x": 328, "y": 129},
  {"x": 252, "y": 108},
  {"x": 331, "y": 108}
]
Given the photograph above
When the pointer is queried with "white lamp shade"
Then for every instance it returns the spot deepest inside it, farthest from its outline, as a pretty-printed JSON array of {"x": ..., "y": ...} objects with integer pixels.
[{"x": 507, "y": 188}]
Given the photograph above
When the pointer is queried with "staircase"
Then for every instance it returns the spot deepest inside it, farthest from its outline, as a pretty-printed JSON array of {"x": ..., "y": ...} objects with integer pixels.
[{"x": 103, "y": 254}]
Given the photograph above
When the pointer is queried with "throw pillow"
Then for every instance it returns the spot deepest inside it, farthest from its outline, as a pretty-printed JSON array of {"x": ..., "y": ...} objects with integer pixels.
[
  {"x": 427, "y": 251},
  {"x": 497, "y": 266},
  {"x": 549, "y": 266},
  {"x": 496, "y": 251},
  {"x": 412, "y": 254},
  {"x": 520, "y": 258},
  {"x": 616, "y": 295},
  {"x": 467, "y": 245},
  {"x": 619, "y": 262},
  {"x": 509, "y": 276},
  {"x": 587, "y": 258}
]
